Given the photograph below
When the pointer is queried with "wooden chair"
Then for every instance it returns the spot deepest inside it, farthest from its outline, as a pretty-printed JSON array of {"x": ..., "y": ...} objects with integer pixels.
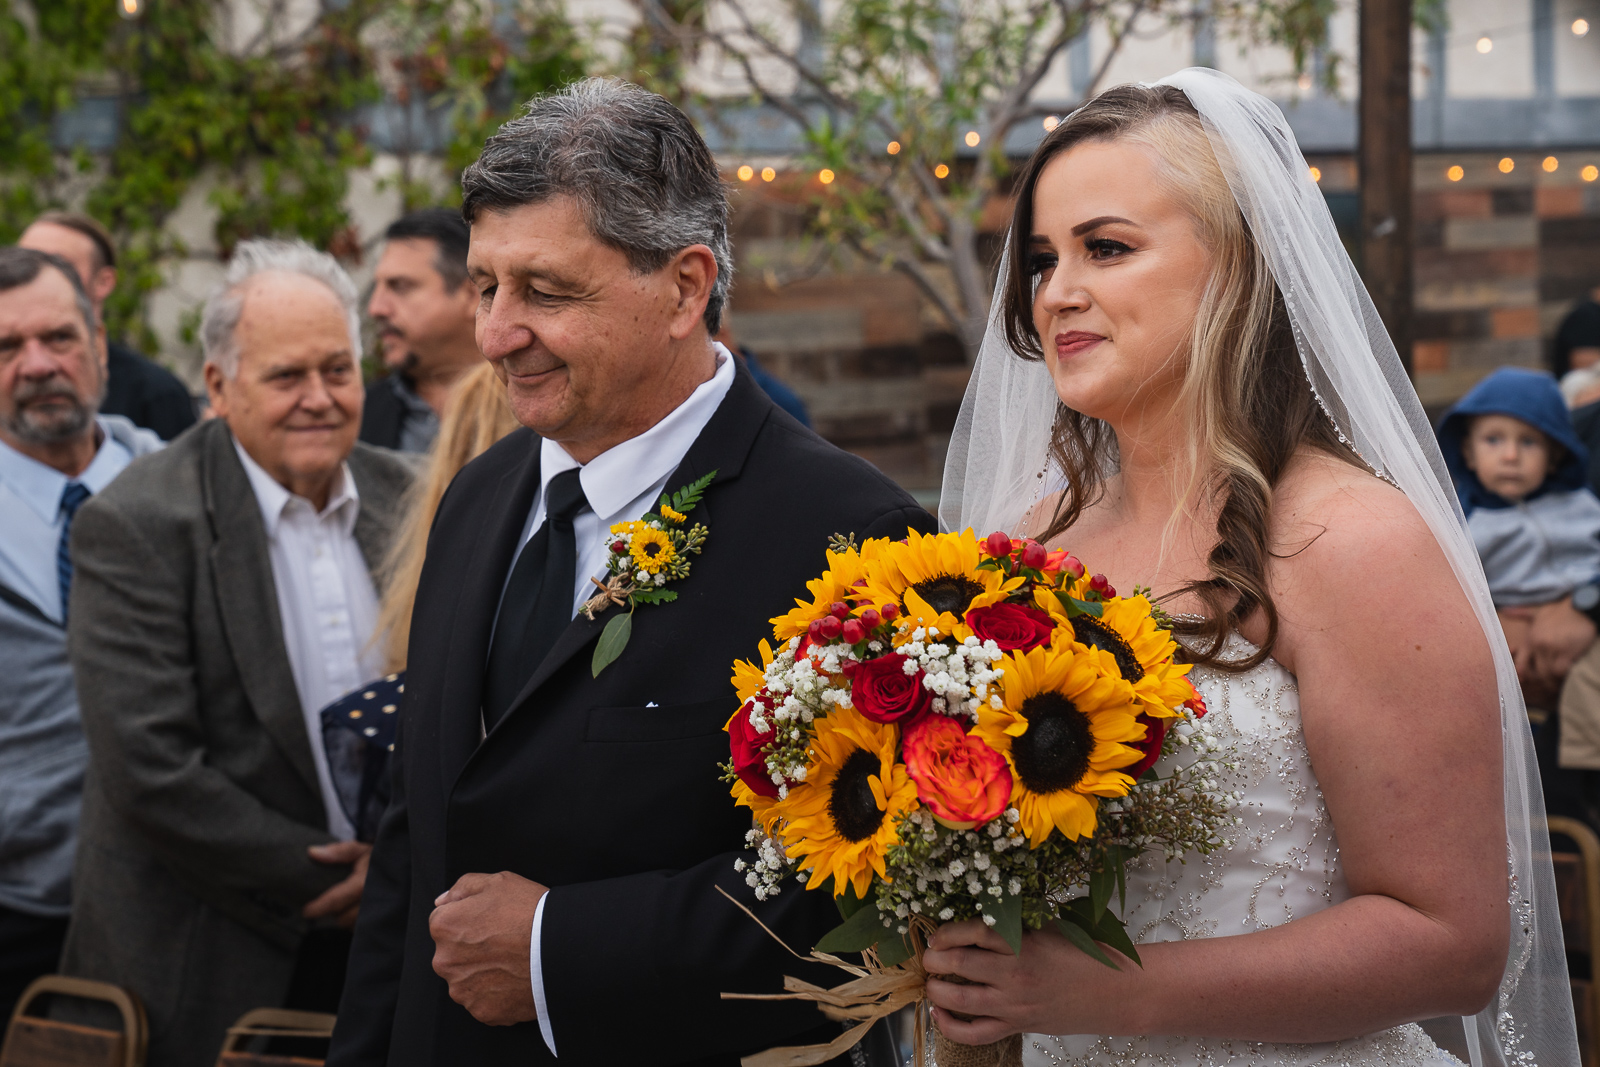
[
  {"x": 276, "y": 1037},
  {"x": 36, "y": 1041},
  {"x": 1578, "y": 893}
]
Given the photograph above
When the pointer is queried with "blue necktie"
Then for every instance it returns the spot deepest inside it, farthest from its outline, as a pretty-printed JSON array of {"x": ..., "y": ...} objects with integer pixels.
[{"x": 72, "y": 498}]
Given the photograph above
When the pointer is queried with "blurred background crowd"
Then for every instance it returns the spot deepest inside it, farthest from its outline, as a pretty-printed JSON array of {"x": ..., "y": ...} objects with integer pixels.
[{"x": 232, "y": 236}]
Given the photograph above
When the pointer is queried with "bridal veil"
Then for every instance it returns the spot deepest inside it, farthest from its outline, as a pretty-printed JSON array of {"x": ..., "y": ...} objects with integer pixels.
[{"x": 997, "y": 470}]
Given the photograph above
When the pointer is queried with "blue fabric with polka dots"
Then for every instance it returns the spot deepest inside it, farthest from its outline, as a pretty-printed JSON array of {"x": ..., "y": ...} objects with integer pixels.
[{"x": 358, "y": 733}]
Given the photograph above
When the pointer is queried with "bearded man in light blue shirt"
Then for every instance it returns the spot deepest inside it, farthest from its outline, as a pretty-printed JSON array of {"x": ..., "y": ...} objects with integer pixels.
[{"x": 54, "y": 454}]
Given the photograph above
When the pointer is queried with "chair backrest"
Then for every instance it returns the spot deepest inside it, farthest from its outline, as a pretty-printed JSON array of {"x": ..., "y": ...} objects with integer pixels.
[
  {"x": 37, "y": 1041},
  {"x": 1578, "y": 893},
  {"x": 276, "y": 1037}
]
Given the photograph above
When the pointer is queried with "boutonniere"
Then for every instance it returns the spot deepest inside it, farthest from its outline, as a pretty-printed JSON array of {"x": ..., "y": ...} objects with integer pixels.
[{"x": 645, "y": 555}]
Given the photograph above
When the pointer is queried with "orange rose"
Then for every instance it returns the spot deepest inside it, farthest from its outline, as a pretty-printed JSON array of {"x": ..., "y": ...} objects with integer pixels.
[{"x": 963, "y": 781}]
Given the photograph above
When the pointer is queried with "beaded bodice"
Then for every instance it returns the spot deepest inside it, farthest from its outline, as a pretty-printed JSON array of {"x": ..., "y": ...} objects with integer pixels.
[{"x": 1280, "y": 863}]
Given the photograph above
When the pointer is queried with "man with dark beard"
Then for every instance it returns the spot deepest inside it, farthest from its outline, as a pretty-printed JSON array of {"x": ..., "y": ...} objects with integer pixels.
[
  {"x": 424, "y": 310},
  {"x": 54, "y": 454}
]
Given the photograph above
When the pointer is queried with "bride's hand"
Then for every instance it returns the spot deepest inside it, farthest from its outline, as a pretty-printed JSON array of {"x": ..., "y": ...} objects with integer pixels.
[{"x": 1051, "y": 988}]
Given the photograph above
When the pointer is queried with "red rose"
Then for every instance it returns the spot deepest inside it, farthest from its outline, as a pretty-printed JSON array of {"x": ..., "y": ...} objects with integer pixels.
[
  {"x": 883, "y": 691},
  {"x": 1155, "y": 731},
  {"x": 963, "y": 781},
  {"x": 1014, "y": 627},
  {"x": 749, "y": 763}
]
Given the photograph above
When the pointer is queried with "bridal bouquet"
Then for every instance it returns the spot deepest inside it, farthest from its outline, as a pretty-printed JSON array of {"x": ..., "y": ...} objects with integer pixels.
[{"x": 953, "y": 729}]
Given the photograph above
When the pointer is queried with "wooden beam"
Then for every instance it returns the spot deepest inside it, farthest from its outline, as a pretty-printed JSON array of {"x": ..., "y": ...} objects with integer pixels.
[{"x": 1384, "y": 161}]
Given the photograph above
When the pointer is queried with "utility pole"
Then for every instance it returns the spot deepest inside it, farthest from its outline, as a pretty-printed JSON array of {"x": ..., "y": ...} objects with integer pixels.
[{"x": 1384, "y": 162}]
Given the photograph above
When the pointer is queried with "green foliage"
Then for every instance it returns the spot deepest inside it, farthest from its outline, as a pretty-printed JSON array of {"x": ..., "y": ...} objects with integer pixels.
[{"x": 272, "y": 123}]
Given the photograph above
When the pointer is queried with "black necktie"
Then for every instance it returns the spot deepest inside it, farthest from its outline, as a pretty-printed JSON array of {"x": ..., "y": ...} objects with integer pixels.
[
  {"x": 537, "y": 605},
  {"x": 72, "y": 498}
]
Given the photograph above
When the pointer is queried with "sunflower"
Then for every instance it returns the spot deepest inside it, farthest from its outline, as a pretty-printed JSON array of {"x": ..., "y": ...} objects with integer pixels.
[
  {"x": 1063, "y": 729},
  {"x": 842, "y": 819},
  {"x": 652, "y": 549},
  {"x": 1126, "y": 637},
  {"x": 675, "y": 517},
  {"x": 748, "y": 679},
  {"x": 762, "y": 809},
  {"x": 844, "y": 580},
  {"x": 935, "y": 580}
]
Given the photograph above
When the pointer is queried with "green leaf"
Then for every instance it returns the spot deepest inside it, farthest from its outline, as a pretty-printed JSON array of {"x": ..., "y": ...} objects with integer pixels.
[
  {"x": 1101, "y": 885},
  {"x": 1120, "y": 860},
  {"x": 1075, "y": 606},
  {"x": 1080, "y": 937},
  {"x": 613, "y": 639},
  {"x": 686, "y": 498},
  {"x": 654, "y": 596},
  {"x": 847, "y": 902},
  {"x": 1007, "y": 912},
  {"x": 859, "y": 932},
  {"x": 894, "y": 949},
  {"x": 1112, "y": 931}
]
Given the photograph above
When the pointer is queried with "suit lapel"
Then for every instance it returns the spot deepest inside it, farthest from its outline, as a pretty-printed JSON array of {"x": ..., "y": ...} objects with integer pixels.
[
  {"x": 722, "y": 447},
  {"x": 479, "y": 600},
  {"x": 248, "y": 601},
  {"x": 377, "y": 520}
]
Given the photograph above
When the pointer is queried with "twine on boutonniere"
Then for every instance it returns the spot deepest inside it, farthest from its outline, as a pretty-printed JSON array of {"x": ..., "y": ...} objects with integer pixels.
[{"x": 644, "y": 556}]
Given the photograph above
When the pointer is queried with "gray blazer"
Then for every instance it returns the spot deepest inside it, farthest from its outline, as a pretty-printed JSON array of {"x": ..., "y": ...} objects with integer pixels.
[{"x": 201, "y": 797}]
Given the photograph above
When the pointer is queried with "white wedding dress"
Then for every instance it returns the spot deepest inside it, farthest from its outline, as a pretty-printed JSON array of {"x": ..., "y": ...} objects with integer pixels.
[{"x": 1281, "y": 864}]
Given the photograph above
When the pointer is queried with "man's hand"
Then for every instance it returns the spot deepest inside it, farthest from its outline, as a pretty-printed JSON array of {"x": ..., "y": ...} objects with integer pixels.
[
  {"x": 1557, "y": 636},
  {"x": 343, "y": 900},
  {"x": 483, "y": 928}
]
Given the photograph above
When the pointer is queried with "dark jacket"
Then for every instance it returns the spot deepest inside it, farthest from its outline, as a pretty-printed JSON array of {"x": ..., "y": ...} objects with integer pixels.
[
  {"x": 201, "y": 796},
  {"x": 1531, "y": 396},
  {"x": 606, "y": 790},
  {"x": 146, "y": 393}
]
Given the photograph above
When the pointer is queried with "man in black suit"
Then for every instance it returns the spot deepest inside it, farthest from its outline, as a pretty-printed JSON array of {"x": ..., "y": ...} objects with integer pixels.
[
  {"x": 139, "y": 389},
  {"x": 545, "y": 880}
]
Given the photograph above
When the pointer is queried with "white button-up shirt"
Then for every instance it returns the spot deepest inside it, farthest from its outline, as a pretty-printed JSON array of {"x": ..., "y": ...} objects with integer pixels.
[
  {"x": 621, "y": 484},
  {"x": 326, "y": 602}
]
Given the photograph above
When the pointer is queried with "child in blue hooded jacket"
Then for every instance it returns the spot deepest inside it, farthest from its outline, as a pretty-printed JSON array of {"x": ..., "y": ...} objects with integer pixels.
[{"x": 1521, "y": 472}]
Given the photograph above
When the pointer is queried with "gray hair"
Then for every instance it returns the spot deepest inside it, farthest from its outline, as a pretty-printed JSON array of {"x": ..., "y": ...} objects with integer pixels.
[
  {"x": 220, "y": 319},
  {"x": 635, "y": 164},
  {"x": 20, "y": 266}
]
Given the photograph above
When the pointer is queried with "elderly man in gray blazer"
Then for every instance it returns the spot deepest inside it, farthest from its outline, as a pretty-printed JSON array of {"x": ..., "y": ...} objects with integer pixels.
[{"x": 223, "y": 595}]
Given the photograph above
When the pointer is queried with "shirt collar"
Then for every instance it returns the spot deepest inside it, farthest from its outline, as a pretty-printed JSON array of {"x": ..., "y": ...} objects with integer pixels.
[
  {"x": 40, "y": 485},
  {"x": 344, "y": 502},
  {"x": 617, "y": 476}
]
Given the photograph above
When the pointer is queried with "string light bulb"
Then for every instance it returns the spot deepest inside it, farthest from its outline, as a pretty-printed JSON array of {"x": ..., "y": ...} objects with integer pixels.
[
  {"x": 1580, "y": 27},
  {"x": 894, "y": 148},
  {"x": 941, "y": 171},
  {"x": 1316, "y": 174},
  {"x": 826, "y": 176},
  {"x": 746, "y": 172},
  {"x": 1050, "y": 123},
  {"x": 1589, "y": 173},
  {"x": 1304, "y": 82},
  {"x": 130, "y": 9},
  {"x": 1485, "y": 45},
  {"x": 767, "y": 174},
  {"x": 1455, "y": 173},
  {"x": 973, "y": 138},
  {"x": 1507, "y": 165},
  {"x": 1550, "y": 164}
]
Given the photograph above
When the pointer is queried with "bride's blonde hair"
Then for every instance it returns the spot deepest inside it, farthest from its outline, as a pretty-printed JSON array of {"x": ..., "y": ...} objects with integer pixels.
[{"x": 1245, "y": 400}]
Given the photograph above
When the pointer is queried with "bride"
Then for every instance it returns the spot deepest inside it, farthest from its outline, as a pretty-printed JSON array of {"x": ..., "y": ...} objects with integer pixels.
[{"x": 1185, "y": 383}]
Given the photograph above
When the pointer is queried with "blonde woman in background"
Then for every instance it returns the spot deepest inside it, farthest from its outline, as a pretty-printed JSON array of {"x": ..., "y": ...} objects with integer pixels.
[
  {"x": 358, "y": 729},
  {"x": 477, "y": 417}
]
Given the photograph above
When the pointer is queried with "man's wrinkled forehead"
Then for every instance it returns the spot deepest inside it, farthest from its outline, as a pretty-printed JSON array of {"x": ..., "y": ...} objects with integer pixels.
[{"x": 44, "y": 305}]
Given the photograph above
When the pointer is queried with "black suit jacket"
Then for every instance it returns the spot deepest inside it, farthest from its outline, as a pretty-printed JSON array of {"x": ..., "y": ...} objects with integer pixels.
[
  {"x": 146, "y": 393},
  {"x": 383, "y": 414},
  {"x": 605, "y": 789}
]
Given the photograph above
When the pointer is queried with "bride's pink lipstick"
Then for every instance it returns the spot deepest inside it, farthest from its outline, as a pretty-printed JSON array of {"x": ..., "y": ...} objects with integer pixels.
[{"x": 1075, "y": 342}]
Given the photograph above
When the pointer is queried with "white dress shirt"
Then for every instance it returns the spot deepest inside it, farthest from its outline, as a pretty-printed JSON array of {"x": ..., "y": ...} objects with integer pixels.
[
  {"x": 621, "y": 484},
  {"x": 326, "y": 602},
  {"x": 30, "y": 500}
]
